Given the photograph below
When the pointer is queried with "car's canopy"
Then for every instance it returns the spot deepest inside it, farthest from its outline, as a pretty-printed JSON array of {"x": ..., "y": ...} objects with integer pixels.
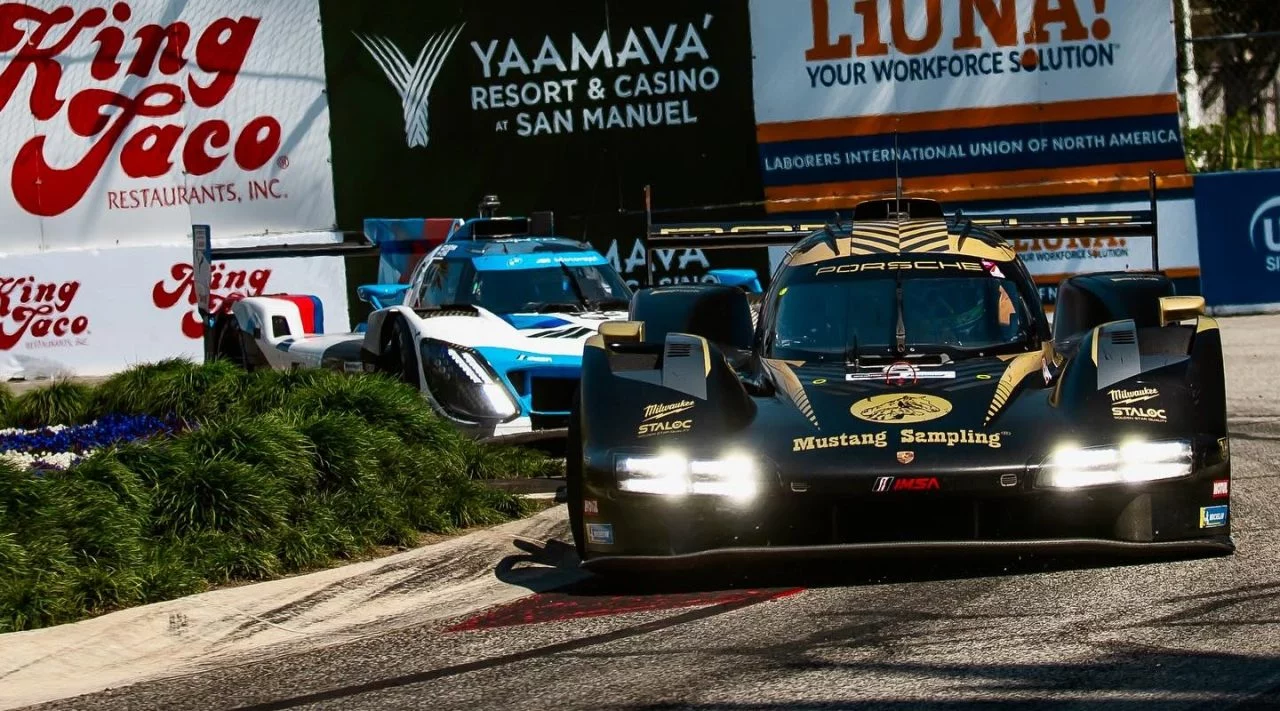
[
  {"x": 525, "y": 275},
  {"x": 899, "y": 288}
]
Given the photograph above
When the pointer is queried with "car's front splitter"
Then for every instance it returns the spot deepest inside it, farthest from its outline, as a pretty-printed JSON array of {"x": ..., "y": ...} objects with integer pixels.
[
  {"x": 1222, "y": 545},
  {"x": 525, "y": 437}
]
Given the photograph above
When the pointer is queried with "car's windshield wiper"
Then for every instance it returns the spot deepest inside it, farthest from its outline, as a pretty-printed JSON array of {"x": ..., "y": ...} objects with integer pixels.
[
  {"x": 543, "y": 307},
  {"x": 901, "y": 342},
  {"x": 577, "y": 288},
  {"x": 609, "y": 304},
  {"x": 851, "y": 356}
]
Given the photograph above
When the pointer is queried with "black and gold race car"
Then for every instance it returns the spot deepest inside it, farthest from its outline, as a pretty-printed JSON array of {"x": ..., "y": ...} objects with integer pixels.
[{"x": 902, "y": 390}]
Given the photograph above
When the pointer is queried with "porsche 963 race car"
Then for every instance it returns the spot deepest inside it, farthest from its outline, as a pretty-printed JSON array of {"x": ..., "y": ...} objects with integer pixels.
[{"x": 903, "y": 391}]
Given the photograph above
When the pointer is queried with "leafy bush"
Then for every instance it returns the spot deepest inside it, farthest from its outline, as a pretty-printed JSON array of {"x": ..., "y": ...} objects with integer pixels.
[
  {"x": 171, "y": 388},
  {"x": 61, "y": 403},
  {"x": 264, "y": 474},
  {"x": 6, "y": 405},
  {"x": 1238, "y": 143}
]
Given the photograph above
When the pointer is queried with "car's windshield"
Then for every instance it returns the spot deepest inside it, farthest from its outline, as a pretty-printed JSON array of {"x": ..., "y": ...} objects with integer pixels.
[
  {"x": 833, "y": 317},
  {"x": 554, "y": 288}
]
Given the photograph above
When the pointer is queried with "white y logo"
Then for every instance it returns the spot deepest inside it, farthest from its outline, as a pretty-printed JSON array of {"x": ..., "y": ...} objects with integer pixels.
[{"x": 413, "y": 81}]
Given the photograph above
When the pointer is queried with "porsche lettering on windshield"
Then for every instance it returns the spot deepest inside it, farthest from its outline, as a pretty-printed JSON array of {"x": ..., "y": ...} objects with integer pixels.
[{"x": 924, "y": 265}]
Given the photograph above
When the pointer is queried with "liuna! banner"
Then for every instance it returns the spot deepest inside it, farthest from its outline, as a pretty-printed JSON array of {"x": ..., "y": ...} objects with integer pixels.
[{"x": 964, "y": 100}]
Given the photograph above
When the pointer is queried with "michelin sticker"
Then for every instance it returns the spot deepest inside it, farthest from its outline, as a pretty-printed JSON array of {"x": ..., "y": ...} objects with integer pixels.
[
  {"x": 1213, "y": 516},
  {"x": 601, "y": 533}
]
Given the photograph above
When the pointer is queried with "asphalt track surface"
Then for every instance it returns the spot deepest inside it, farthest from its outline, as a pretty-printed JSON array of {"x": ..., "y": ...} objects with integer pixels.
[{"x": 1183, "y": 634}]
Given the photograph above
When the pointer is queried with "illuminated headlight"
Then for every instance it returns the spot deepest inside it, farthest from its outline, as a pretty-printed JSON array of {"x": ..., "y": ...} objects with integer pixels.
[
  {"x": 464, "y": 384},
  {"x": 1134, "y": 462},
  {"x": 734, "y": 477}
]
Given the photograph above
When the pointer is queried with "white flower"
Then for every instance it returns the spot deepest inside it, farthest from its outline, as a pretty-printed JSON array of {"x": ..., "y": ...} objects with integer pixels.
[{"x": 62, "y": 460}]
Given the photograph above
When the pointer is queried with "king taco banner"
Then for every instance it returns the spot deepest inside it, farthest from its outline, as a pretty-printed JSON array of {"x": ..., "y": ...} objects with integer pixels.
[
  {"x": 965, "y": 100},
  {"x": 123, "y": 122},
  {"x": 97, "y": 311}
]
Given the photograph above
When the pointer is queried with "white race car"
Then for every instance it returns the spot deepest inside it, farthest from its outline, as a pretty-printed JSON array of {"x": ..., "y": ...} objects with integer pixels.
[{"x": 490, "y": 327}]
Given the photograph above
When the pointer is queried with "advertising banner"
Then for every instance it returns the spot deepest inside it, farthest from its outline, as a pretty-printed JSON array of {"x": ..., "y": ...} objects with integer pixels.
[
  {"x": 964, "y": 100},
  {"x": 125, "y": 122},
  {"x": 94, "y": 312},
  {"x": 571, "y": 106},
  {"x": 1239, "y": 225}
]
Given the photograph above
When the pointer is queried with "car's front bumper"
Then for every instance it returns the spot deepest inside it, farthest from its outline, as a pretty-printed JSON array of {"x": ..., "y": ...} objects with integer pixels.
[
  {"x": 651, "y": 531},
  {"x": 1216, "y": 545},
  {"x": 520, "y": 431}
]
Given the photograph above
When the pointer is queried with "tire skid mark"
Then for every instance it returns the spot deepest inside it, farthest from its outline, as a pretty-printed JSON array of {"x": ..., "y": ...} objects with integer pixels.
[
  {"x": 561, "y": 606},
  {"x": 695, "y": 615}
]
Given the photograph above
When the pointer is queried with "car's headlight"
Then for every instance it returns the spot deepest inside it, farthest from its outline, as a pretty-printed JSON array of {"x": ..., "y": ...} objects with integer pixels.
[
  {"x": 733, "y": 477},
  {"x": 463, "y": 382},
  {"x": 1133, "y": 462}
]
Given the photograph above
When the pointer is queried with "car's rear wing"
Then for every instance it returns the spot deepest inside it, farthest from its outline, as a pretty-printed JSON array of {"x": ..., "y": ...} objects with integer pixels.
[{"x": 774, "y": 233}]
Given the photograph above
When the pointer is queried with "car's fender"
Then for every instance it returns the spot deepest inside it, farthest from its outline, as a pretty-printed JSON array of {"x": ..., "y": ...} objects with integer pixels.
[{"x": 1154, "y": 382}]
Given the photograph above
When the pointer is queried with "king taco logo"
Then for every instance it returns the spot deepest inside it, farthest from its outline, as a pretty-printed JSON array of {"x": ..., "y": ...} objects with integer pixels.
[
  {"x": 164, "y": 76},
  {"x": 1264, "y": 237},
  {"x": 39, "y": 314},
  {"x": 225, "y": 288}
]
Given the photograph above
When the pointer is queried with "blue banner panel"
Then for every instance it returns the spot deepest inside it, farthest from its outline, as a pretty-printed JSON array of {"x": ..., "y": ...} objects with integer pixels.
[
  {"x": 1238, "y": 221},
  {"x": 1060, "y": 144}
]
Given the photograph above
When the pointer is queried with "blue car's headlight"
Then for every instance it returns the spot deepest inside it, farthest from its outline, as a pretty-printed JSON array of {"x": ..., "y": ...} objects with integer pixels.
[
  {"x": 670, "y": 474},
  {"x": 1130, "y": 463},
  {"x": 464, "y": 384}
]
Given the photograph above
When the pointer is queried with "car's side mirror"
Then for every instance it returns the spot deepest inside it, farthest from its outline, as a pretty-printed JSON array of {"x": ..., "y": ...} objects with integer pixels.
[
  {"x": 745, "y": 279},
  {"x": 622, "y": 331},
  {"x": 1174, "y": 309},
  {"x": 380, "y": 296}
]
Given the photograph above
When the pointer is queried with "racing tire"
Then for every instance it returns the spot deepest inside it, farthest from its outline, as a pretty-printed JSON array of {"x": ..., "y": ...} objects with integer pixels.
[
  {"x": 399, "y": 359},
  {"x": 573, "y": 476},
  {"x": 229, "y": 343}
]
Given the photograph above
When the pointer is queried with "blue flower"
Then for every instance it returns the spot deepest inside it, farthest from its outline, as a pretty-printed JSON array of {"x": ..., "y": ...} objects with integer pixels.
[{"x": 110, "y": 429}]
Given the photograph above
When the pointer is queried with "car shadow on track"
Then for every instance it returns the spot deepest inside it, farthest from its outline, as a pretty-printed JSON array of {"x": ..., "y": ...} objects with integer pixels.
[{"x": 560, "y": 558}]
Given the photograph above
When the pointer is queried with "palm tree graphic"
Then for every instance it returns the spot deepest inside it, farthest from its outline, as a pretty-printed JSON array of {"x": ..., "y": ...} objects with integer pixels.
[{"x": 413, "y": 82}]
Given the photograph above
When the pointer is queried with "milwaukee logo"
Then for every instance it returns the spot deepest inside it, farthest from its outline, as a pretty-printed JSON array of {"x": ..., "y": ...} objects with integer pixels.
[
  {"x": 657, "y": 412},
  {"x": 1128, "y": 397}
]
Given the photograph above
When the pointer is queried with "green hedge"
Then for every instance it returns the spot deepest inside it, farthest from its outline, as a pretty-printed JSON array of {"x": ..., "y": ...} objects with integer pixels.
[{"x": 279, "y": 472}]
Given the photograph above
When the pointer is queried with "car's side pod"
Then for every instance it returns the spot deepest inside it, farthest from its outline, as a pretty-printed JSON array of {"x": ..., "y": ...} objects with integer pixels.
[
  {"x": 1184, "y": 344},
  {"x": 1086, "y": 301},
  {"x": 623, "y": 372}
]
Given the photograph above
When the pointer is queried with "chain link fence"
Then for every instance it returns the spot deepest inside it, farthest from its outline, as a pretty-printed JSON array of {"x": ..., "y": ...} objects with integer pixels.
[{"x": 1229, "y": 70}]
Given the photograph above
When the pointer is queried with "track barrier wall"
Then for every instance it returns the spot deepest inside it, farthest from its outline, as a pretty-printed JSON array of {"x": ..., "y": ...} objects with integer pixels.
[
  {"x": 296, "y": 120},
  {"x": 1237, "y": 216}
]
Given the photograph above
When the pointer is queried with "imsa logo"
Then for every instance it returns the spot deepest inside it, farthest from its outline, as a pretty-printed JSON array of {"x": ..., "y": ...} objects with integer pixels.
[{"x": 906, "y": 483}]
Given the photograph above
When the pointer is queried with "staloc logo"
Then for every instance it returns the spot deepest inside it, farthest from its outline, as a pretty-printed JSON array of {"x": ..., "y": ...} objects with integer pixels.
[
  {"x": 413, "y": 81},
  {"x": 1263, "y": 232}
]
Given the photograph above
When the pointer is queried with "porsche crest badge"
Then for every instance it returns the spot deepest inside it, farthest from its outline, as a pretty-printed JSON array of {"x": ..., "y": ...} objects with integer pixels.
[{"x": 906, "y": 457}]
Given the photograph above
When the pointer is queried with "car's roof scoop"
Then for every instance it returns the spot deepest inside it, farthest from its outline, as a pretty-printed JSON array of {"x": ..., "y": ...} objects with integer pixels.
[{"x": 894, "y": 208}]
